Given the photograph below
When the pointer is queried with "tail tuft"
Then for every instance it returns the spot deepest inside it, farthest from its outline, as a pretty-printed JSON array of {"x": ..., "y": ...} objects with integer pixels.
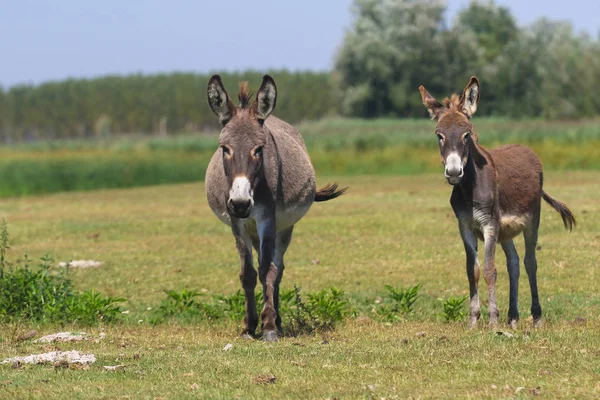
[
  {"x": 329, "y": 192},
  {"x": 566, "y": 214}
]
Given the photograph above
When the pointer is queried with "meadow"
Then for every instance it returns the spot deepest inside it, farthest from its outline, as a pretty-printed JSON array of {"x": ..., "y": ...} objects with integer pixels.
[
  {"x": 387, "y": 230},
  {"x": 383, "y": 147}
]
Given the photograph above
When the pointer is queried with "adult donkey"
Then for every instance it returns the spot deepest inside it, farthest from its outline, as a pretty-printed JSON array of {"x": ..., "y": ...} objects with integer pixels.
[
  {"x": 497, "y": 195},
  {"x": 260, "y": 181}
]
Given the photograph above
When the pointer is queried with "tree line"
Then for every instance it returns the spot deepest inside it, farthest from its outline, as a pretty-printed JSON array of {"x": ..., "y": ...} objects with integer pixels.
[
  {"x": 164, "y": 103},
  {"x": 541, "y": 70}
]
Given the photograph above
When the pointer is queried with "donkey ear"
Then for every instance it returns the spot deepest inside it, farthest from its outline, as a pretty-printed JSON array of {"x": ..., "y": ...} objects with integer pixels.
[
  {"x": 470, "y": 97},
  {"x": 266, "y": 98},
  {"x": 218, "y": 100},
  {"x": 433, "y": 106}
]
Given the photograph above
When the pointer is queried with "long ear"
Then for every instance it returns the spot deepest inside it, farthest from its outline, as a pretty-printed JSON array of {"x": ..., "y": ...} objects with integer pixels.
[
  {"x": 218, "y": 100},
  {"x": 470, "y": 97},
  {"x": 266, "y": 98},
  {"x": 433, "y": 106}
]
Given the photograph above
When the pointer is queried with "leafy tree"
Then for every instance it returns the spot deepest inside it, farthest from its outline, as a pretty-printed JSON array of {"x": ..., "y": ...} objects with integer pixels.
[
  {"x": 493, "y": 26},
  {"x": 392, "y": 48}
]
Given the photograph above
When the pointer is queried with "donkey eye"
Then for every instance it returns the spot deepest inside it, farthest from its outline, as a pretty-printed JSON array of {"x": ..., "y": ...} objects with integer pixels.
[
  {"x": 226, "y": 150},
  {"x": 440, "y": 138},
  {"x": 466, "y": 136},
  {"x": 258, "y": 152}
]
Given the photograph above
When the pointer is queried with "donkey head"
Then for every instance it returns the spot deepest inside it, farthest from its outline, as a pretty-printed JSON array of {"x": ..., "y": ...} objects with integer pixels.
[
  {"x": 242, "y": 139},
  {"x": 454, "y": 128}
]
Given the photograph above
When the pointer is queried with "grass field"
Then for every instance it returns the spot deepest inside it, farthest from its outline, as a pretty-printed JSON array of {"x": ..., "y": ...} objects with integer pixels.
[
  {"x": 387, "y": 230},
  {"x": 337, "y": 147}
]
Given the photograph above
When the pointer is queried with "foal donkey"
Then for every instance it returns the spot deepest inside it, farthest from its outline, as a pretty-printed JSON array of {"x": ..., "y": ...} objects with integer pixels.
[
  {"x": 260, "y": 181},
  {"x": 497, "y": 195}
]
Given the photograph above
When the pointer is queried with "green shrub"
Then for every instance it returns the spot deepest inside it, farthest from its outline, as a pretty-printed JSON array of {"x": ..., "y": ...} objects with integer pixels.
[
  {"x": 453, "y": 308},
  {"x": 321, "y": 311},
  {"x": 45, "y": 296},
  {"x": 398, "y": 302}
]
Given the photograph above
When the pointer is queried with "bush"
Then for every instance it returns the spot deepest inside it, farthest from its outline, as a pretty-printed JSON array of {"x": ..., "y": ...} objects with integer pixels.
[
  {"x": 321, "y": 312},
  {"x": 453, "y": 308},
  {"x": 44, "y": 296},
  {"x": 398, "y": 302}
]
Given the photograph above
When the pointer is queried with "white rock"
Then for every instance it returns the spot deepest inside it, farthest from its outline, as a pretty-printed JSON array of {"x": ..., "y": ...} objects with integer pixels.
[
  {"x": 228, "y": 347},
  {"x": 71, "y": 357},
  {"x": 113, "y": 367},
  {"x": 81, "y": 264},
  {"x": 61, "y": 337}
]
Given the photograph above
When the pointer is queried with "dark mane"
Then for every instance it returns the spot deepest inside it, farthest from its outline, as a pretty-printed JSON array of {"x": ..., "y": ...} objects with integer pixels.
[{"x": 245, "y": 95}]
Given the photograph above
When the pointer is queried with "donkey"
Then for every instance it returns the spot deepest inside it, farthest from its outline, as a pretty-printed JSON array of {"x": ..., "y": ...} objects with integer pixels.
[
  {"x": 497, "y": 195},
  {"x": 260, "y": 181}
]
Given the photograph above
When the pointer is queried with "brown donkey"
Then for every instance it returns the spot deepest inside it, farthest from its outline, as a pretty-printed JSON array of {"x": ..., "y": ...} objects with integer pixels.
[
  {"x": 260, "y": 181},
  {"x": 497, "y": 195}
]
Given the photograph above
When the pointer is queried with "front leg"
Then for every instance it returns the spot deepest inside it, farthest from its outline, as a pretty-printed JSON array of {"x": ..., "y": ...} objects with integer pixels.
[
  {"x": 470, "y": 243},
  {"x": 268, "y": 272},
  {"x": 247, "y": 276},
  {"x": 490, "y": 237}
]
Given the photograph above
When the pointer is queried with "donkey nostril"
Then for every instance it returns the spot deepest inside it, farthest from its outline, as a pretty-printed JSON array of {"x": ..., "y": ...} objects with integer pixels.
[
  {"x": 239, "y": 206},
  {"x": 454, "y": 173}
]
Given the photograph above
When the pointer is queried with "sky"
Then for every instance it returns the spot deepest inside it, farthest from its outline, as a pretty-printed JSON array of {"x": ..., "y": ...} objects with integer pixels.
[{"x": 53, "y": 40}]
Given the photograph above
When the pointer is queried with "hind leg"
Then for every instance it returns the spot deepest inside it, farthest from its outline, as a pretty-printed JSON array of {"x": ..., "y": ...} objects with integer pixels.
[
  {"x": 512, "y": 264},
  {"x": 531, "y": 235}
]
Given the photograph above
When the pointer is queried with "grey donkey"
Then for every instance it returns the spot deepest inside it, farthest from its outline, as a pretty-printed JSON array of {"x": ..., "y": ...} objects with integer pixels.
[{"x": 260, "y": 181}]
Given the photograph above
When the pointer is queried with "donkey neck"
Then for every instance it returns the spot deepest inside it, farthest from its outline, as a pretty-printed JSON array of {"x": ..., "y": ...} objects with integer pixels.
[{"x": 474, "y": 171}]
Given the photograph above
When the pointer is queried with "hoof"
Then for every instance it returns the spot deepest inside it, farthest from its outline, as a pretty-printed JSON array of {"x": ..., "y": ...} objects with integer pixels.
[
  {"x": 493, "y": 323},
  {"x": 537, "y": 323},
  {"x": 472, "y": 323},
  {"x": 512, "y": 324},
  {"x": 270, "y": 336},
  {"x": 246, "y": 334}
]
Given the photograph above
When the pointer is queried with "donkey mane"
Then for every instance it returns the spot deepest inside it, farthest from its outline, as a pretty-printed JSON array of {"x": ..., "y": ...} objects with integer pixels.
[
  {"x": 245, "y": 95},
  {"x": 452, "y": 101}
]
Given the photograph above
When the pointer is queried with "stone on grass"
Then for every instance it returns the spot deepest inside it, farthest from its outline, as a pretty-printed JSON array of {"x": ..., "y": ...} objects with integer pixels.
[
  {"x": 81, "y": 264},
  {"x": 69, "y": 357},
  {"x": 62, "y": 337}
]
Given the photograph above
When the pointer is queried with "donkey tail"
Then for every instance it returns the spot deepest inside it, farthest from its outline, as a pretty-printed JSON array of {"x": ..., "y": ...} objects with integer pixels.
[
  {"x": 566, "y": 214},
  {"x": 329, "y": 192}
]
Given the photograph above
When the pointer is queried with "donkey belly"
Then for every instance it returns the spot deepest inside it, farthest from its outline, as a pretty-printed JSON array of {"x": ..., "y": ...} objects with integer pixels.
[
  {"x": 509, "y": 226},
  {"x": 287, "y": 217},
  {"x": 217, "y": 189},
  {"x": 512, "y": 225}
]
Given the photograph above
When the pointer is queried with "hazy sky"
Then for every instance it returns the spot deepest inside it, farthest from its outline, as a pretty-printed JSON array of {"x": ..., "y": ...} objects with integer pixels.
[{"x": 49, "y": 40}]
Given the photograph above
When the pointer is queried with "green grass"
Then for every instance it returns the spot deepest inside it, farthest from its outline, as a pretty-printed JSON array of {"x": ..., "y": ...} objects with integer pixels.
[
  {"x": 337, "y": 147},
  {"x": 397, "y": 231}
]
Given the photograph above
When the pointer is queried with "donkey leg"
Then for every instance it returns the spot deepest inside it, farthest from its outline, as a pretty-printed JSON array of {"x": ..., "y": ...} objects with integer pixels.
[
  {"x": 470, "y": 242},
  {"x": 267, "y": 273},
  {"x": 512, "y": 264},
  {"x": 247, "y": 278},
  {"x": 531, "y": 235},
  {"x": 281, "y": 244},
  {"x": 490, "y": 235}
]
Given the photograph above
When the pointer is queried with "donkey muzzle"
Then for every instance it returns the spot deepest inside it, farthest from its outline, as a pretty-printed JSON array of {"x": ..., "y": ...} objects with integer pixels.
[
  {"x": 240, "y": 202},
  {"x": 454, "y": 169},
  {"x": 240, "y": 208}
]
